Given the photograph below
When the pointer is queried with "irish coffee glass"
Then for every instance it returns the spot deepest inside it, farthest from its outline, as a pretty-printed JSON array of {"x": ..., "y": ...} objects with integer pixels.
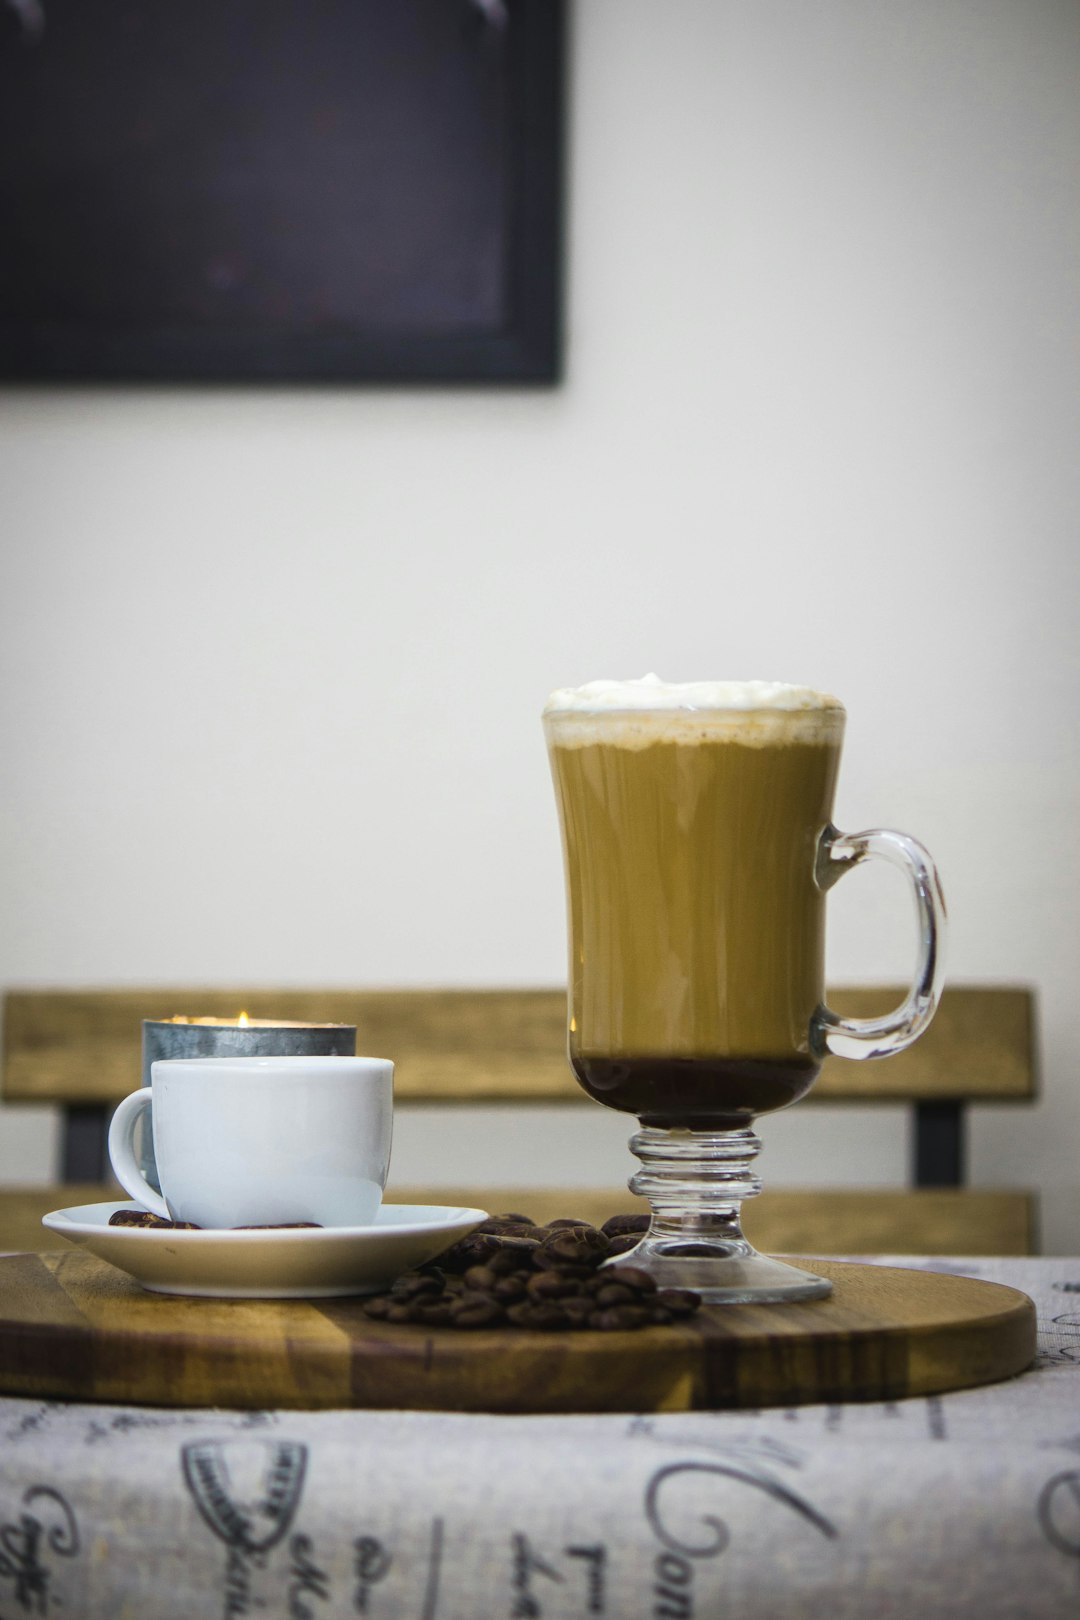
[{"x": 699, "y": 847}]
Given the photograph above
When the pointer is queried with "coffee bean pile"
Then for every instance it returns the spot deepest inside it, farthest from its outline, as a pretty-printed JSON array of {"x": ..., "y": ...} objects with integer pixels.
[
  {"x": 510, "y": 1272},
  {"x": 144, "y": 1219},
  {"x": 157, "y": 1223}
]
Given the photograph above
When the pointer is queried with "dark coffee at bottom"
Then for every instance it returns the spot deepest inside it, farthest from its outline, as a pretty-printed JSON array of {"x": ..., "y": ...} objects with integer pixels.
[{"x": 696, "y": 1093}]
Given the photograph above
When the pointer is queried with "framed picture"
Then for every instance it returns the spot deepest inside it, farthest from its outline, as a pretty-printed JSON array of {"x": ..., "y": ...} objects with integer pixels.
[{"x": 257, "y": 191}]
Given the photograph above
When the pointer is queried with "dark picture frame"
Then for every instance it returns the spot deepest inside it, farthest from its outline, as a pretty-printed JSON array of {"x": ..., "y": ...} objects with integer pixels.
[{"x": 351, "y": 191}]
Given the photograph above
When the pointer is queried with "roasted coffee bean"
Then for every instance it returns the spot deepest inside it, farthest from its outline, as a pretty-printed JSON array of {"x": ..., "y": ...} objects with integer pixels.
[
  {"x": 378, "y": 1306},
  {"x": 544, "y": 1317},
  {"x": 143, "y": 1217},
  {"x": 402, "y": 1313},
  {"x": 279, "y": 1226},
  {"x": 508, "y": 1289},
  {"x": 620, "y": 1318},
  {"x": 503, "y": 1226},
  {"x": 623, "y": 1245},
  {"x": 474, "y": 1250},
  {"x": 485, "y": 1249},
  {"x": 574, "y": 1246},
  {"x": 577, "y": 1308},
  {"x": 556, "y": 1254},
  {"x": 552, "y": 1285},
  {"x": 478, "y": 1249},
  {"x": 414, "y": 1284},
  {"x": 438, "y": 1313},
  {"x": 565, "y": 1221},
  {"x": 678, "y": 1301},
  {"x": 614, "y": 1293},
  {"x": 468, "y": 1295},
  {"x": 635, "y": 1316},
  {"x": 624, "y": 1225},
  {"x": 632, "y": 1277},
  {"x": 505, "y": 1260},
  {"x": 550, "y": 1262},
  {"x": 480, "y": 1278},
  {"x": 477, "y": 1313}
]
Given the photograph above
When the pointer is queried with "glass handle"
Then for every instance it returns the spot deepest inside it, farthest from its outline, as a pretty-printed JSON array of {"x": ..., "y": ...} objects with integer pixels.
[{"x": 880, "y": 1037}]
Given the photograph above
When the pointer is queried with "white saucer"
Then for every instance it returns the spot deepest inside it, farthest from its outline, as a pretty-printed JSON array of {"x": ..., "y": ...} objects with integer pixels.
[{"x": 296, "y": 1263}]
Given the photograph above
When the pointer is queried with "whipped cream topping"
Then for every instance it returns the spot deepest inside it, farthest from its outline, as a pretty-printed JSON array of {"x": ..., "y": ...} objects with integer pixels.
[
  {"x": 637, "y": 714},
  {"x": 650, "y": 692}
]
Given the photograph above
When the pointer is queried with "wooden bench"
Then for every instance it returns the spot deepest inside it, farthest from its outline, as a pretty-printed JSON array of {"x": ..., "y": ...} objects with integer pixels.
[{"x": 81, "y": 1050}]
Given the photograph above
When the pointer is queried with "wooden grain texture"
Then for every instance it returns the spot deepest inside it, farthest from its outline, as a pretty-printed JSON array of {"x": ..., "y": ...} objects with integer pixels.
[
  {"x": 921, "y": 1220},
  {"x": 951, "y": 1220},
  {"x": 486, "y": 1045},
  {"x": 967, "y": 1221},
  {"x": 21, "y": 1209},
  {"x": 981, "y": 1044},
  {"x": 73, "y": 1327}
]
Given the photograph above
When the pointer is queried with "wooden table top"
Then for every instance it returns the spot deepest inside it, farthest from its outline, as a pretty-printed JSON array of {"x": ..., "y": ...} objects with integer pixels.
[{"x": 74, "y": 1327}]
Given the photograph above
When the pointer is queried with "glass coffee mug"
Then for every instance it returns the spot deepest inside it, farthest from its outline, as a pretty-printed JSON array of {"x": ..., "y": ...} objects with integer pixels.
[{"x": 699, "y": 847}]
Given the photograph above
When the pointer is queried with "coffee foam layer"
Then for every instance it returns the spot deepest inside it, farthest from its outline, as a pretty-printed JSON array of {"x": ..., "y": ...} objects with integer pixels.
[
  {"x": 636, "y": 713},
  {"x": 650, "y": 692}
]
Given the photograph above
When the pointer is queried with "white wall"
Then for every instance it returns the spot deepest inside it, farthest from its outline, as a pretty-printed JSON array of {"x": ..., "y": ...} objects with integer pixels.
[{"x": 272, "y": 661}]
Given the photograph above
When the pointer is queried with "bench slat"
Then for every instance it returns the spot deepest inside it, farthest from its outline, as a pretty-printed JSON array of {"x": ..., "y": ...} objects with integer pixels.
[{"x": 84, "y": 1046}]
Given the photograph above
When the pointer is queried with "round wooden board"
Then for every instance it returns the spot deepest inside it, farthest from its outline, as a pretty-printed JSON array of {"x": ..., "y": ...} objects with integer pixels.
[{"x": 74, "y": 1327}]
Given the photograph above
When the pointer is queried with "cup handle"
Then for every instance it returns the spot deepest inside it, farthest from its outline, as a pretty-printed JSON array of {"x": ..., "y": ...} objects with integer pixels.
[
  {"x": 122, "y": 1153},
  {"x": 881, "y": 1037}
]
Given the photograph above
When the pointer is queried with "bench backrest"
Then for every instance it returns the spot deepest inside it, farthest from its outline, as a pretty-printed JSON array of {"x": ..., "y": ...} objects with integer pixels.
[{"x": 79, "y": 1047}]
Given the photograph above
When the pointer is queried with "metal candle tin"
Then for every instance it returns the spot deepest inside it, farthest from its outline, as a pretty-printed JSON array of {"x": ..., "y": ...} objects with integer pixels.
[{"x": 184, "y": 1037}]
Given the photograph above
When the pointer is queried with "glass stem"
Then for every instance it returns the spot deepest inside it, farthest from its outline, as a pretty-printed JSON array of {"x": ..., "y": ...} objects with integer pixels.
[{"x": 695, "y": 1182}]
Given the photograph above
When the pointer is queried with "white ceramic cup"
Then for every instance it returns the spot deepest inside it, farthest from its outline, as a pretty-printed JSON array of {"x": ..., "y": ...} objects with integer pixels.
[{"x": 261, "y": 1141}]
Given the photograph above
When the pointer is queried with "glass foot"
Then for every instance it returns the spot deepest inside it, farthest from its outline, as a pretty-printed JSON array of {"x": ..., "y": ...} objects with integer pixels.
[
  {"x": 695, "y": 1182},
  {"x": 747, "y": 1278}
]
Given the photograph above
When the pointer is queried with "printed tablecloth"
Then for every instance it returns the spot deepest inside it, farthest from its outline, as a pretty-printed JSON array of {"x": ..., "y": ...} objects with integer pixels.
[{"x": 963, "y": 1504}]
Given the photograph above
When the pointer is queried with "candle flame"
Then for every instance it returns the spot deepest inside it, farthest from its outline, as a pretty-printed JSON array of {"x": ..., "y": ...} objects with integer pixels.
[{"x": 243, "y": 1020}]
